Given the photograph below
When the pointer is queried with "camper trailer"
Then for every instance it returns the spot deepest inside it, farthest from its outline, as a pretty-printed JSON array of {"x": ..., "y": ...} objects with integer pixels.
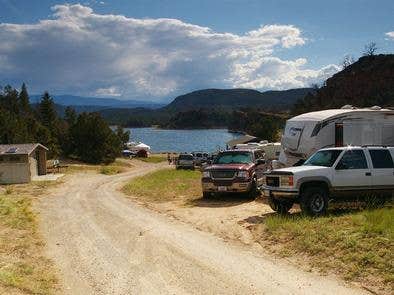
[{"x": 307, "y": 133}]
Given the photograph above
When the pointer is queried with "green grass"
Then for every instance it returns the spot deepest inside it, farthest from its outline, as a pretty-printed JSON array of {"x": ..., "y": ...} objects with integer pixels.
[
  {"x": 154, "y": 159},
  {"x": 357, "y": 245},
  {"x": 22, "y": 266},
  {"x": 165, "y": 185}
]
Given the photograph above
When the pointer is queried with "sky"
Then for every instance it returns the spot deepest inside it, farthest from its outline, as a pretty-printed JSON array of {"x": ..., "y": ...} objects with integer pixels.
[{"x": 156, "y": 50}]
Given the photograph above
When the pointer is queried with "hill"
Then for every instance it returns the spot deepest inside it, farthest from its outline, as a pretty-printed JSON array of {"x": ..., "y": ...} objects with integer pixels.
[
  {"x": 367, "y": 82},
  {"x": 236, "y": 98},
  {"x": 97, "y": 103}
]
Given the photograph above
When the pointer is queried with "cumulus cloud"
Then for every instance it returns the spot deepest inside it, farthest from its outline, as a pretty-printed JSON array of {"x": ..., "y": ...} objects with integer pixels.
[
  {"x": 78, "y": 51},
  {"x": 390, "y": 35}
]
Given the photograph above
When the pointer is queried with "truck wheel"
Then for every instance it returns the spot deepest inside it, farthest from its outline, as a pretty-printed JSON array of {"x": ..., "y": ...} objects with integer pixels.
[
  {"x": 314, "y": 201},
  {"x": 282, "y": 207},
  {"x": 206, "y": 195},
  {"x": 253, "y": 192}
]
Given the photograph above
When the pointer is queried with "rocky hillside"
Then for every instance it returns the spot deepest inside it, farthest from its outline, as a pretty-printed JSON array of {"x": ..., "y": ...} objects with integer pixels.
[
  {"x": 236, "y": 98},
  {"x": 367, "y": 82}
]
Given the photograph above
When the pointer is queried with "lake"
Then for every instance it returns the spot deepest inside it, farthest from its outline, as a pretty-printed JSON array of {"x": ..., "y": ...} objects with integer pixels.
[{"x": 168, "y": 140}]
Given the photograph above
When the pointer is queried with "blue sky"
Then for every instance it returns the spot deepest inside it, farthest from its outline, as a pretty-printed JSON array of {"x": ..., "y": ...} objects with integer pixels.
[{"x": 321, "y": 33}]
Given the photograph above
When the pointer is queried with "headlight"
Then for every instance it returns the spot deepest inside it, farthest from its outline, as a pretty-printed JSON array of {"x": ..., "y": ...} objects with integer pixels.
[
  {"x": 287, "y": 181},
  {"x": 243, "y": 174},
  {"x": 206, "y": 174}
]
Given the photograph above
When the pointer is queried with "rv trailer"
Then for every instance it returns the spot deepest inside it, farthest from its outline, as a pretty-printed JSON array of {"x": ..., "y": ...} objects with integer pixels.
[{"x": 309, "y": 132}]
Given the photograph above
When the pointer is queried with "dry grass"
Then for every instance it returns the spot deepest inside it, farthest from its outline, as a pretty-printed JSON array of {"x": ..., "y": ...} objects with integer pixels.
[
  {"x": 359, "y": 245},
  {"x": 154, "y": 159},
  {"x": 166, "y": 185},
  {"x": 23, "y": 267},
  {"x": 116, "y": 167}
]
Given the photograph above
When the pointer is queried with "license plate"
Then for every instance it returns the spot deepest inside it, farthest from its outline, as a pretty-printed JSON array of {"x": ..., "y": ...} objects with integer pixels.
[
  {"x": 222, "y": 188},
  {"x": 266, "y": 192}
]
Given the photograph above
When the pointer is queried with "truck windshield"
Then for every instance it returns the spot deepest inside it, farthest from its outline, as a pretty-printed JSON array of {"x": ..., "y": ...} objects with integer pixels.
[
  {"x": 185, "y": 157},
  {"x": 234, "y": 158},
  {"x": 323, "y": 158}
]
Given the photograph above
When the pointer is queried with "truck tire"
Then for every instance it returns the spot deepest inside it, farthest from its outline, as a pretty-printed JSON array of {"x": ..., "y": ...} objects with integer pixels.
[
  {"x": 282, "y": 207},
  {"x": 314, "y": 201},
  {"x": 253, "y": 193},
  {"x": 206, "y": 195}
]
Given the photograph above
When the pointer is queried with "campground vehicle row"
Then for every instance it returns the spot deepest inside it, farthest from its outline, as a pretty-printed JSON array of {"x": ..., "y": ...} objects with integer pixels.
[{"x": 331, "y": 155}]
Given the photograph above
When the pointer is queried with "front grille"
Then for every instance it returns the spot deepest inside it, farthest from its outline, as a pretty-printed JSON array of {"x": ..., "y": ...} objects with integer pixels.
[
  {"x": 223, "y": 173},
  {"x": 223, "y": 182},
  {"x": 272, "y": 181}
]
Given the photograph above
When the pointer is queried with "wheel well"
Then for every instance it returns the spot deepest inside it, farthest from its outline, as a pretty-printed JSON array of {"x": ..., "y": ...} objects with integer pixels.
[{"x": 315, "y": 183}]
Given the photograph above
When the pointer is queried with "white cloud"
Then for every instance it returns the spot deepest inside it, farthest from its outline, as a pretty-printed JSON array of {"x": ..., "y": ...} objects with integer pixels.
[
  {"x": 110, "y": 91},
  {"x": 81, "y": 52},
  {"x": 390, "y": 35}
]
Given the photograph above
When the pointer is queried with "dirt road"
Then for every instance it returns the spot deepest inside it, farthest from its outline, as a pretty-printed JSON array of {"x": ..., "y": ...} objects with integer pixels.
[{"x": 104, "y": 243}]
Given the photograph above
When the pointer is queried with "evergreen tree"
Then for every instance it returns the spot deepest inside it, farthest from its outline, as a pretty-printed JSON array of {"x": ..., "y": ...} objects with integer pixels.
[
  {"x": 70, "y": 115},
  {"x": 47, "y": 111},
  {"x": 49, "y": 118},
  {"x": 24, "y": 101},
  {"x": 124, "y": 136},
  {"x": 94, "y": 141}
]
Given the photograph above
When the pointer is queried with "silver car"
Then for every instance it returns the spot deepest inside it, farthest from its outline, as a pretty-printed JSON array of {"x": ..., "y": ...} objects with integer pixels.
[{"x": 185, "y": 161}]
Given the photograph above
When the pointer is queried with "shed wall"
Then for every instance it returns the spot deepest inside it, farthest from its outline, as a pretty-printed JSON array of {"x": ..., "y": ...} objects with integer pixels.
[{"x": 14, "y": 173}]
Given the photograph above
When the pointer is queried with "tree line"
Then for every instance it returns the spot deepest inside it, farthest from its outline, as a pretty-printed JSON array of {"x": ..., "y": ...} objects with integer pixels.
[{"x": 85, "y": 136}]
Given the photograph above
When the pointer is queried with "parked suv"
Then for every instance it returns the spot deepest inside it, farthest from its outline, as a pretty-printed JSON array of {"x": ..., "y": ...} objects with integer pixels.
[
  {"x": 234, "y": 171},
  {"x": 185, "y": 161},
  {"x": 335, "y": 174}
]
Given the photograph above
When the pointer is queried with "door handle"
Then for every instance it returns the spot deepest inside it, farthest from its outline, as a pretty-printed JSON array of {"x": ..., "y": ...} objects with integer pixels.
[{"x": 367, "y": 173}]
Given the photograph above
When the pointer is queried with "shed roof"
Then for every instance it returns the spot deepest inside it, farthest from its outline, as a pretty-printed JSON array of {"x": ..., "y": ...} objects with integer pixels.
[
  {"x": 19, "y": 149},
  {"x": 243, "y": 139}
]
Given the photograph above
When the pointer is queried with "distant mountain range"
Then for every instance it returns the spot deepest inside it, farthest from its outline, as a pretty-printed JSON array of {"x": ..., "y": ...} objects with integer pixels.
[
  {"x": 237, "y": 98},
  {"x": 97, "y": 103},
  {"x": 205, "y": 104}
]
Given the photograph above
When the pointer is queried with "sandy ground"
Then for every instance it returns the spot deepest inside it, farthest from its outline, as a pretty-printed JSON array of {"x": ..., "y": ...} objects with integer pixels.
[{"x": 103, "y": 243}]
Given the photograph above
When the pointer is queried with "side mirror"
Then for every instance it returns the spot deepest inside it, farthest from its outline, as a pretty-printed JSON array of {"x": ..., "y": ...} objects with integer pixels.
[{"x": 261, "y": 162}]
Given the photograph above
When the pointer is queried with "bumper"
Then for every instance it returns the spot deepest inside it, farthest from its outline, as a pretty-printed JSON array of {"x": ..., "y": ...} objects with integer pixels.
[
  {"x": 184, "y": 166},
  {"x": 236, "y": 187},
  {"x": 276, "y": 192}
]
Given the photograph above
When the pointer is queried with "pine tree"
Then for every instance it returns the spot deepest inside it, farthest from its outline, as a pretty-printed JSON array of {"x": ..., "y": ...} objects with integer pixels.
[
  {"x": 124, "y": 136},
  {"x": 70, "y": 115},
  {"x": 49, "y": 119},
  {"x": 47, "y": 111},
  {"x": 24, "y": 101}
]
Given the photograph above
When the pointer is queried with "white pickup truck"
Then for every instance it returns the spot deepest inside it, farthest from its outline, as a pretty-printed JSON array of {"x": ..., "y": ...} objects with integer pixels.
[{"x": 332, "y": 174}]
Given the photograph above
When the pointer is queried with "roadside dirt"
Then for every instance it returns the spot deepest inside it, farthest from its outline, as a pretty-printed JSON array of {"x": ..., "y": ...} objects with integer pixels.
[{"x": 103, "y": 243}]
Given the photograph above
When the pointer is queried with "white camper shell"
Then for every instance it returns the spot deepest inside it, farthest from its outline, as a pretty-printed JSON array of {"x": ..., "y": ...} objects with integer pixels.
[{"x": 309, "y": 132}]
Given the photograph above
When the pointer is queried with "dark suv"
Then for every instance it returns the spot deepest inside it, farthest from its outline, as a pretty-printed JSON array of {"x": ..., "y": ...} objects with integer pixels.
[{"x": 234, "y": 171}]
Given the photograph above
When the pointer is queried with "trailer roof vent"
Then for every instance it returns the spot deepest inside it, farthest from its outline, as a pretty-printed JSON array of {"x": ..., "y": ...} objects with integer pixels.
[
  {"x": 347, "y": 107},
  {"x": 376, "y": 108}
]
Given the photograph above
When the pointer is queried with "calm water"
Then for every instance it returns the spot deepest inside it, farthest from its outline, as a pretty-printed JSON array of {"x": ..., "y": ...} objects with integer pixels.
[{"x": 164, "y": 140}]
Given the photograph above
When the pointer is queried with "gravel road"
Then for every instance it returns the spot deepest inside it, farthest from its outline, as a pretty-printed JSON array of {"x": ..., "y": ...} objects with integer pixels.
[{"x": 103, "y": 243}]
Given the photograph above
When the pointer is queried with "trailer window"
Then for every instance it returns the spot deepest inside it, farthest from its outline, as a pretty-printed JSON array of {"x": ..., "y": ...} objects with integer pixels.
[{"x": 381, "y": 159}]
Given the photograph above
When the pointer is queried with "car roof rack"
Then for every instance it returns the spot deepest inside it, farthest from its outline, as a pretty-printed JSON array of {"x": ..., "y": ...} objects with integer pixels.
[{"x": 376, "y": 145}]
